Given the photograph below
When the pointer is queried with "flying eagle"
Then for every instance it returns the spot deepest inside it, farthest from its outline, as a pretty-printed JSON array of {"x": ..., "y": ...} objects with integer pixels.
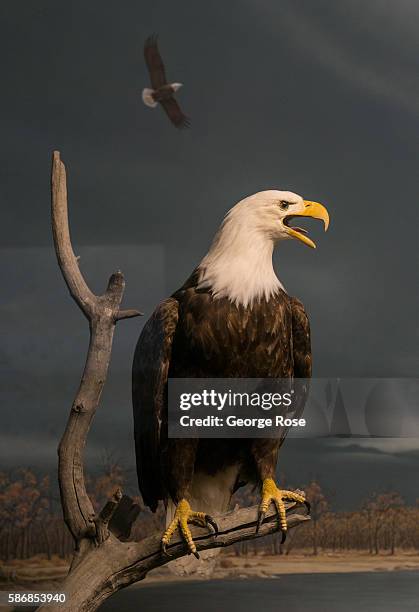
[
  {"x": 162, "y": 92},
  {"x": 231, "y": 318}
]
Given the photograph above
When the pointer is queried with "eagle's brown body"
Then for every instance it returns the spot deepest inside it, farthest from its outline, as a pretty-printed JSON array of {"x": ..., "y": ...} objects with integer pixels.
[
  {"x": 163, "y": 93},
  {"x": 193, "y": 334}
]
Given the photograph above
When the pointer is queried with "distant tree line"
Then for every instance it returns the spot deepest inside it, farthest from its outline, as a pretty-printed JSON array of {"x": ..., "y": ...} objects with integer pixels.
[{"x": 31, "y": 523}]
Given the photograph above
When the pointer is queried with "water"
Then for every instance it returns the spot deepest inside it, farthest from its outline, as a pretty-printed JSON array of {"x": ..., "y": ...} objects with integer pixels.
[{"x": 353, "y": 592}]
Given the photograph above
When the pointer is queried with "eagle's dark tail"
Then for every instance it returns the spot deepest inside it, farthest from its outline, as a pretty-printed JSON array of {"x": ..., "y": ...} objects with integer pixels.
[{"x": 210, "y": 494}]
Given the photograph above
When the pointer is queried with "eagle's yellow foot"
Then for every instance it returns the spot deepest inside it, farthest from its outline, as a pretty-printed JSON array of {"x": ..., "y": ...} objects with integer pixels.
[
  {"x": 184, "y": 515},
  {"x": 271, "y": 493}
]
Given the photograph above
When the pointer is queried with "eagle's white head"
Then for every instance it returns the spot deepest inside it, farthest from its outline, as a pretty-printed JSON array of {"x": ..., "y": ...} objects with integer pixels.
[{"x": 239, "y": 263}]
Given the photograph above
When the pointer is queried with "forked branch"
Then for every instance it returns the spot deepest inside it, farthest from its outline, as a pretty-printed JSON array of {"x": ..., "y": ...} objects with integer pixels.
[{"x": 102, "y": 313}]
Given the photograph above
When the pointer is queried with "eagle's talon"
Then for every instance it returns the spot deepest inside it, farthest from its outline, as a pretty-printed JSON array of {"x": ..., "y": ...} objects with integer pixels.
[
  {"x": 272, "y": 494},
  {"x": 210, "y": 521},
  {"x": 261, "y": 518},
  {"x": 184, "y": 515}
]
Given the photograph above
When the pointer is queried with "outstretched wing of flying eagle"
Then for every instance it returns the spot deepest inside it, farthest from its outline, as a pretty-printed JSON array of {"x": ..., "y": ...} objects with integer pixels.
[{"x": 161, "y": 92}]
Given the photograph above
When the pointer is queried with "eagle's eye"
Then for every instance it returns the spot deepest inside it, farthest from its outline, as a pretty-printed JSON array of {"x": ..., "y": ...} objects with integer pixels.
[{"x": 284, "y": 205}]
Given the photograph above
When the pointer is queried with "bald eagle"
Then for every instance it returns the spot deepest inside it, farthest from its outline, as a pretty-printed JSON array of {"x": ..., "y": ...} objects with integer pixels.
[
  {"x": 231, "y": 318},
  {"x": 162, "y": 92}
]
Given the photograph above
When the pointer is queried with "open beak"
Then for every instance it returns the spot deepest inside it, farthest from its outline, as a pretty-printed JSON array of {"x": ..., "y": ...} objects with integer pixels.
[{"x": 311, "y": 209}]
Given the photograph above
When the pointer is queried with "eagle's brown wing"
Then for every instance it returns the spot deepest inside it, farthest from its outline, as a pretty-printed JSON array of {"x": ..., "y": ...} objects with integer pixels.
[
  {"x": 149, "y": 396},
  {"x": 265, "y": 450},
  {"x": 154, "y": 62},
  {"x": 301, "y": 340},
  {"x": 301, "y": 345},
  {"x": 175, "y": 113}
]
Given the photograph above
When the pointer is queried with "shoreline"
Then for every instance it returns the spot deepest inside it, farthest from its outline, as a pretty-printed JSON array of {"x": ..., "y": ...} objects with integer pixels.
[
  {"x": 38, "y": 573},
  {"x": 269, "y": 566}
]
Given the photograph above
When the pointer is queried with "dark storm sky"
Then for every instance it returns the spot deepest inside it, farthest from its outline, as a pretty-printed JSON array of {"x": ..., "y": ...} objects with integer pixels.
[{"x": 321, "y": 98}]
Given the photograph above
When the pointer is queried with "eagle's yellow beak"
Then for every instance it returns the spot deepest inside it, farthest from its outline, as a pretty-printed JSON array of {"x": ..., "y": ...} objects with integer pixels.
[{"x": 311, "y": 209}]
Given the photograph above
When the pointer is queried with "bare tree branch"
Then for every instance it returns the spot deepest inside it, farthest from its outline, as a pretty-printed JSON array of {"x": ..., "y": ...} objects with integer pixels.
[
  {"x": 127, "y": 314},
  {"x": 102, "y": 313},
  {"x": 115, "y": 565},
  {"x": 67, "y": 261}
]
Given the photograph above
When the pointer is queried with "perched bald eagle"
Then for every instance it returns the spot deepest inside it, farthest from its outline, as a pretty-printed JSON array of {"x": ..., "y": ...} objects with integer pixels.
[
  {"x": 231, "y": 318},
  {"x": 162, "y": 92}
]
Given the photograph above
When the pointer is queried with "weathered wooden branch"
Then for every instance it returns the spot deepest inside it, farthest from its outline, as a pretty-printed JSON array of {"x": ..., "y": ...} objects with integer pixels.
[
  {"x": 102, "y": 563},
  {"x": 114, "y": 565},
  {"x": 102, "y": 313}
]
